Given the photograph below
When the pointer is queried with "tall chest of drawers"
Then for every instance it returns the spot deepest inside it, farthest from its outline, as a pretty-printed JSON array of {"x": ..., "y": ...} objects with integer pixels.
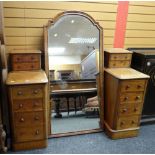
[
  {"x": 124, "y": 96},
  {"x": 28, "y": 113}
]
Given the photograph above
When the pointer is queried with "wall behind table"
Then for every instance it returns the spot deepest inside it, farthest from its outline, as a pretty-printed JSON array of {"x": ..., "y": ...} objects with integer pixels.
[
  {"x": 140, "y": 30},
  {"x": 24, "y": 21}
]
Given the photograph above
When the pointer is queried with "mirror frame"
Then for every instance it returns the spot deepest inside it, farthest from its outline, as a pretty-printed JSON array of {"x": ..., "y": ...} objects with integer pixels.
[{"x": 101, "y": 65}]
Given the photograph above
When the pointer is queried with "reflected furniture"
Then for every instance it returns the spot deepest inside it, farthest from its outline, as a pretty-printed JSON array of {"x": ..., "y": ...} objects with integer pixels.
[
  {"x": 72, "y": 89},
  {"x": 52, "y": 75},
  {"x": 71, "y": 93},
  {"x": 117, "y": 58},
  {"x": 65, "y": 74},
  {"x": 90, "y": 65},
  {"x": 143, "y": 60},
  {"x": 124, "y": 95},
  {"x": 27, "y": 95}
]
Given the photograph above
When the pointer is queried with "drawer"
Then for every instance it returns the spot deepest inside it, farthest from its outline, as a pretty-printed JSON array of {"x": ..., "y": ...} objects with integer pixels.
[
  {"x": 130, "y": 109},
  {"x": 132, "y": 85},
  {"x": 26, "y": 66},
  {"x": 25, "y": 57},
  {"x": 131, "y": 97},
  {"x": 23, "y": 134},
  {"x": 28, "y": 105},
  {"x": 127, "y": 122},
  {"x": 119, "y": 64},
  {"x": 27, "y": 92},
  {"x": 28, "y": 118},
  {"x": 120, "y": 56}
]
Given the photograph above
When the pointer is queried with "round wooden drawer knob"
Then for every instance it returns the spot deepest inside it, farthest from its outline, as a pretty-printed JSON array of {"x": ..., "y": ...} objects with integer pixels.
[
  {"x": 36, "y": 118},
  {"x": 115, "y": 57},
  {"x": 35, "y": 91},
  {"x": 133, "y": 122},
  {"x": 19, "y": 93},
  {"x": 20, "y": 105},
  {"x": 126, "y": 98},
  {"x": 122, "y": 123},
  {"x": 32, "y": 66},
  {"x": 137, "y": 97},
  {"x": 36, "y": 104},
  {"x": 136, "y": 109},
  {"x": 127, "y": 87},
  {"x": 139, "y": 86},
  {"x": 32, "y": 58},
  {"x": 37, "y": 132},
  {"x": 22, "y": 120},
  {"x": 124, "y": 110}
]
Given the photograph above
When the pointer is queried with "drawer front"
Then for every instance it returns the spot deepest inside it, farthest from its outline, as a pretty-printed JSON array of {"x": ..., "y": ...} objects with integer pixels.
[
  {"x": 23, "y": 134},
  {"x": 28, "y": 105},
  {"x": 25, "y": 57},
  {"x": 26, "y": 66},
  {"x": 119, "y": 64},
  {"x": 130, "y": 109},
  {"x": 27, "y": 92},
  {"x": 133, "y": 85},
  {"x": 127, "y": 122},
  {"x": 28, "y": 118},
  {"x": 120, "y": 56},
  {"x": 134, "y": 97}
]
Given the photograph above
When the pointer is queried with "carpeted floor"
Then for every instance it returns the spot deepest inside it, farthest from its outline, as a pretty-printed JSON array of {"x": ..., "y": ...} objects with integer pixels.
[
  {"x": 72, "y": 123},
  {"x": 99, "y": 143}
]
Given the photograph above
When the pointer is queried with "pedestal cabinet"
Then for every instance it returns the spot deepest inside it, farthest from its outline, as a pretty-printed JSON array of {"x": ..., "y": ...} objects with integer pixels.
[
  {"x": 28, "y": 109},
  {"x": 124, "y": 96}
]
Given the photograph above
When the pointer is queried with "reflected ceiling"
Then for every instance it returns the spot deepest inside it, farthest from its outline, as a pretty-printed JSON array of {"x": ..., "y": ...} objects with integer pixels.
[{"x": 72, "y": 35}]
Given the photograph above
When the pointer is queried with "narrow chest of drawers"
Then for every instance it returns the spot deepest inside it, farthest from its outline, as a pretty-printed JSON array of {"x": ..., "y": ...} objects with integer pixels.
[
  {"x": 28, "y": 109},
  {"x": 25, "y": 60},
  {"x": 117, "y": 58},
  {"x": 124, "y": 96}
]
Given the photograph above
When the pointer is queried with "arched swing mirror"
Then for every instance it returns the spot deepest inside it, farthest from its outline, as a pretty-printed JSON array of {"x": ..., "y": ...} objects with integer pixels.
[{"x": 74, "y": 46}]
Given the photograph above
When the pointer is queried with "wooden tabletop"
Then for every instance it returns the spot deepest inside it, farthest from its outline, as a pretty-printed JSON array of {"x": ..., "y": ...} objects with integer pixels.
[
  {"x": 73, "y": 90},
  {"x": 126, "y": 73},
  {"x": 26, "y": 77},
  {"x": 117, "y": 50}
]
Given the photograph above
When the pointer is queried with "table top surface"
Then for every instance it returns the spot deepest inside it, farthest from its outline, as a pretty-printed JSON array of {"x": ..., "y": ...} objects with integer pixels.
[
  {"x": 126, "y": 73},
  {"x": 73, "y": 91},
  {"x": 117, "y": 50},
  {"x": 26, "y": 77}
]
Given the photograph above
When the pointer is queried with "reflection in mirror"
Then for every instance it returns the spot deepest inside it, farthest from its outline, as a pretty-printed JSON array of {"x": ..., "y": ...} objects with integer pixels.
[{"x": 73, "y": 49}]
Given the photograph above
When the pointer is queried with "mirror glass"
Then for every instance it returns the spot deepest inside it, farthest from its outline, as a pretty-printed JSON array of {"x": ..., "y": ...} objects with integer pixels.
[{"x": 73, "y": 49}]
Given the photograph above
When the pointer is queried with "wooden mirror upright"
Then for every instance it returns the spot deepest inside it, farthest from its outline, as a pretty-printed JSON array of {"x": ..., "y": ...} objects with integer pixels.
[{"x": 99, "y": 75}]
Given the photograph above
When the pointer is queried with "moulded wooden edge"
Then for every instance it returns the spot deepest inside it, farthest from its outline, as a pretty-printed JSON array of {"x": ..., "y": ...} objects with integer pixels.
[
  {"x": 75, "y": 133},
  {"x": 29, "y": 145},
  {"x": 119, "y": 134}
]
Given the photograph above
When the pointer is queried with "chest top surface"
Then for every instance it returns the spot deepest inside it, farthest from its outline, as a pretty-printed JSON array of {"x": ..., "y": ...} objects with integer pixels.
[
  {"x": 26, "y": 77},
  {"x": 117, "y": 51},
  {"x": 126, "y": 73}
]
